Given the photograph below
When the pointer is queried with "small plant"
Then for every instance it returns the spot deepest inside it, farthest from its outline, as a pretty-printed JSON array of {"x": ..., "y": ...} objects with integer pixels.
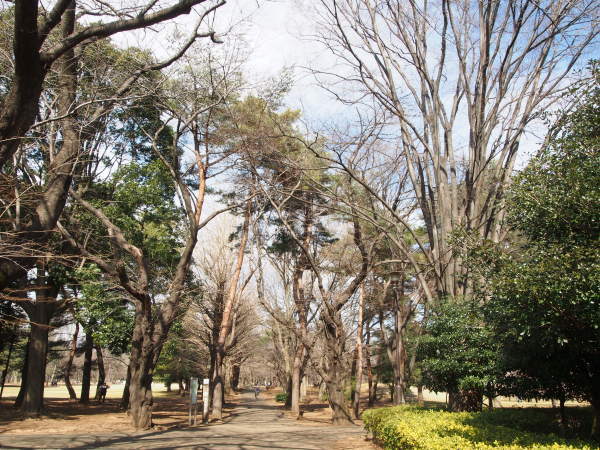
[{"x": 281, "y": 398}]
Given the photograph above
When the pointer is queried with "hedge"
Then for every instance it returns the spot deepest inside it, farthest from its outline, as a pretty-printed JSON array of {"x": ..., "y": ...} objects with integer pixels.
[{"x": 409, "y": 427}]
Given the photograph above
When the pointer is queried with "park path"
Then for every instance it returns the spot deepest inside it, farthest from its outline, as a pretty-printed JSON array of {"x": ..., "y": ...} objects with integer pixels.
[{"x": 253, "y": 424}]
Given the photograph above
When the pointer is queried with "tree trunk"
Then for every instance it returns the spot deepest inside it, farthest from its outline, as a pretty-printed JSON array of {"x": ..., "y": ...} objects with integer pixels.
[
  {"x": 337, "y": 401},
  {"x": 373, "y": 389},
  {"x": 420, "y": 400},
  {"x": 140, "y": 396},
  {"x": 141, "y": 366},
  {"x": 359, "y": 354},
  {"x": 101, "y": 371},
  {"x": 86, "y": 377},
  {"x": 398, "y": 397},
  {"x": 563, "y": 417},
  {"x": 297, "y": 380},
  {"x": 218, "y": 392},
  {"x": 372, "y": 378},
  {"x": 69, "y": 365},
  {"x": 228, "y": 377},
  {"x": 334, "y": 378},
  {"x": 288, "y": 391},
  {"x": 125, "y": 398},
  {"x": 235, "y": 377},
  {"x": 465, "y": 400},
  {"x": 33, "y": 401},
  {"x": 21, "y": 395},
  {"x": 226, "y": 323}
]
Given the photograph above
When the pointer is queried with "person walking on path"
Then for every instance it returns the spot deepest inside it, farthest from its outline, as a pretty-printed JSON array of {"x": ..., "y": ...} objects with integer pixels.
[{"x": 256, "y": 391}]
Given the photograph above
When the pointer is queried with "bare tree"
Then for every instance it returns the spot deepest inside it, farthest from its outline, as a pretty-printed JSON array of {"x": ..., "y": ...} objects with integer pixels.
[{"x": 448, "y": 73}]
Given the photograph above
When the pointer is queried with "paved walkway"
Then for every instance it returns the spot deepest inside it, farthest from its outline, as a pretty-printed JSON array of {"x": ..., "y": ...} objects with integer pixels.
[{"x": 252, "y": 425}]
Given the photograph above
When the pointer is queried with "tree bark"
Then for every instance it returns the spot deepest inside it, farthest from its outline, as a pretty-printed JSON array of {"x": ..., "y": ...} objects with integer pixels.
[
  {"x": 296, "y": 380},
  {"x": 337, "y": 401},
  {"x": 125, "y": 398},
  {"x": 40, "y": 313},
  {"x": 288, "y": 390},
  {"x": 33, "y": 401},
  {"x": 101, "y": 371},
  {"x": 21, "y": 395},
  {"x": 141, "y": 366},
  {"x": 465, "y": 400},
  {"x": 87, "y": 369},
  {"x": 359, "y": 353},
  {"x": 69, "y": 365},
  {"x": 235, "y": 377},
  {"x": 372, "y": 378},
  {"x": 334, "y": 380},
  {"x": 218, "y": 392}
]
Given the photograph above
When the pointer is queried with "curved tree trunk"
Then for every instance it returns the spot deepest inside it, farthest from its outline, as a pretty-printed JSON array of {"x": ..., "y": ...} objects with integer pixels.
[
  {"x": 101, "y": 371},
  {"x": 69, "y": 365}
]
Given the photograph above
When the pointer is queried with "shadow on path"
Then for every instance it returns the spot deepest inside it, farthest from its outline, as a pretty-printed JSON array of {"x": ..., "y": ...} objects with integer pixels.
[{"x": 252, "y": 424}]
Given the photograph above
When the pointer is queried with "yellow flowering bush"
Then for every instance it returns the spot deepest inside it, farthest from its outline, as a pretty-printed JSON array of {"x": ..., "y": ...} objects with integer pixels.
[{"x": 409, "y": 427}]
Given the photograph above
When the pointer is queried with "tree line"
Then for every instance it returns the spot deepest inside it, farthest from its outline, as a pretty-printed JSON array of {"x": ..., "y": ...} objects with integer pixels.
[{"x": 400, "y": 247}]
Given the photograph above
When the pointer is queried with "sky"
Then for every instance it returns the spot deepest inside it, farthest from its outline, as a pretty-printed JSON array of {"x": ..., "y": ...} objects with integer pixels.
[{"x": 278, "y": 36}]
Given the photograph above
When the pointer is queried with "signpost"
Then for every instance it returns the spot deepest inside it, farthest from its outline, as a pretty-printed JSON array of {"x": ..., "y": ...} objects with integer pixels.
[
  {"x": 205, "y": 400},
  {"x": 193, "y": 398}
]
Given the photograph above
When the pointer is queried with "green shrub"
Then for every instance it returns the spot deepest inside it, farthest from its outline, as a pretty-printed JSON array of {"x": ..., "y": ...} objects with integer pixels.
[
  {"x": 281, "y": 398},
  {"x": 409, "y": 427}
]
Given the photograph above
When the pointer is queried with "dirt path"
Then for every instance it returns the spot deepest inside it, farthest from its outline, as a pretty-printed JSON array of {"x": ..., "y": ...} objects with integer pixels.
[{"x": 254, "y": 424}]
